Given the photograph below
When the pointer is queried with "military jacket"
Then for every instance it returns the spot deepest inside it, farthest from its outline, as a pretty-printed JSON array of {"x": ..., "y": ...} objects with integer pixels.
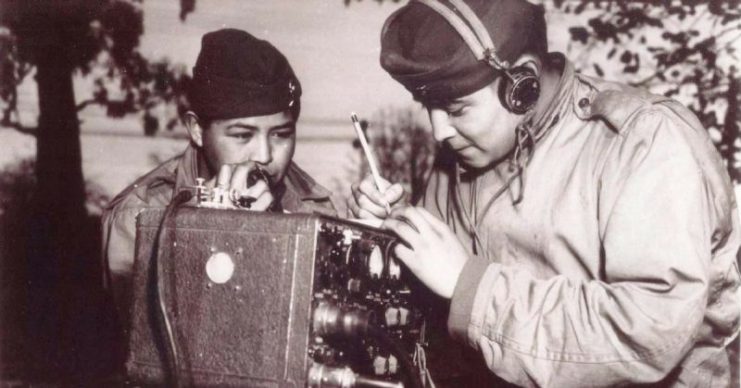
[{"x": 612, "y": 259}]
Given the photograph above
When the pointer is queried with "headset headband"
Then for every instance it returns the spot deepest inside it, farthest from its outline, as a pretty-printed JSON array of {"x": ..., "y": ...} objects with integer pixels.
[{"x": 471, "y": 29}]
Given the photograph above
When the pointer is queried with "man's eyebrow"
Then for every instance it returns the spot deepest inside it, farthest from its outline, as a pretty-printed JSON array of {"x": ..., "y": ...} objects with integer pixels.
[
  {"x": 242, "y": 126},
  {"x": 288, "y": 125},
  {"x": 444, "y": 103}
]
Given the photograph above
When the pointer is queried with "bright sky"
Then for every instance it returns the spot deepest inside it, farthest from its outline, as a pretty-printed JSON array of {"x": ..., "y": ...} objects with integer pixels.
[{"x": 333, "y": 48}]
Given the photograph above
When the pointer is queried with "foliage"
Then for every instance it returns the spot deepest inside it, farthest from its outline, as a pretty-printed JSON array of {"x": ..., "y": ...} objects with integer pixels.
[
  {"x": 403, "y": 146},
  {"x": 683, "y": 49},
  {"x": 55, "y": 239},
  {"x": 17, "y": 183},
  {"x": 105, "y": 36}
]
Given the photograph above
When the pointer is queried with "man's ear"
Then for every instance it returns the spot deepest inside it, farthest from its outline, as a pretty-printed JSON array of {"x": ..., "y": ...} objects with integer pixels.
[
  {"x": 194, "y": 128},
  {"x": 530, "y": 61}
]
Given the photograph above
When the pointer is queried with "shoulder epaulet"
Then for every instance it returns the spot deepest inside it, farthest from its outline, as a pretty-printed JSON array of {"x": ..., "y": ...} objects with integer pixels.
[{"x": 611, "y": 102}]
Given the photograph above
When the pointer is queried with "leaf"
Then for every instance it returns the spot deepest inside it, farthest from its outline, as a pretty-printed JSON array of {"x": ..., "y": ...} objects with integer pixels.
[
  {"x": 727, "y": 18},
  {"x": 626, "y": 56},
  {"x": 661, "y": 58},
  {"x": 716, "y": 7},
  {"x": 598, "y": 70},
  {"x": 186, "y": 7},
  {"x": 580, "y": 8},
  {"x": 654, "y": 22},
  {"x": 631, "y": 69},
  {"x": 603, "y": 30},
  {"x": 579, "y": 34}
]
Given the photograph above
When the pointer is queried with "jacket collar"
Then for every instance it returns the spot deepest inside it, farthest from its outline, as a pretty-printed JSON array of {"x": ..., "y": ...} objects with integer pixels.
[
  {"x": 186, "y": 171},
  {"x": 561, "y": 98}
]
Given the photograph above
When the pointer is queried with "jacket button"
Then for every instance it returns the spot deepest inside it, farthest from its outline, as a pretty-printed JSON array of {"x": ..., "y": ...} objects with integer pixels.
[{"x": 583, "y": 103}]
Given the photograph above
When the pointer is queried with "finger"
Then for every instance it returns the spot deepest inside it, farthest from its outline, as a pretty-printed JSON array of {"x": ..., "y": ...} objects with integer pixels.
[
  {"x": 393, "y": 193},
  {"x": 398, "y": 211},
  {"x": 378, "y": 210},
  {"x": 356, "y": 211},
  {"x": 413, "y": 216},
  {"x": 403, "y": 230},
  {"x": 352, "y": 208},
  {"x": 239, "y": 176},
  {"x": 369, "y": 189},
  {"x": 383, "y": 184},
  {"x": 407, "y": 256},
  {"x": 224, "y": 177},
  {"x": 366, "y": 215},
  {"x": 256, "y": 190},
  {"x": 435, "y": 223},
  {"x": 355, "y": 190},
  {"x": 263, "y": 201}
]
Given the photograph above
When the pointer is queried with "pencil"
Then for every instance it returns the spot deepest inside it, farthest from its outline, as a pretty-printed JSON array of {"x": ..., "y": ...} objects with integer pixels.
[{"x": 368, "y": 155}]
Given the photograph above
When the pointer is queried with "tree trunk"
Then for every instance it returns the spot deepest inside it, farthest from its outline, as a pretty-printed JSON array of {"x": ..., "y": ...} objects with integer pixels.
[{"x": 58, "y": 218}]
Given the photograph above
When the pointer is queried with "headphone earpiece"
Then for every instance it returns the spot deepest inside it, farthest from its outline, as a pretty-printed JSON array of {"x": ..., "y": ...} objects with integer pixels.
[{"x": 521, "y": 90}]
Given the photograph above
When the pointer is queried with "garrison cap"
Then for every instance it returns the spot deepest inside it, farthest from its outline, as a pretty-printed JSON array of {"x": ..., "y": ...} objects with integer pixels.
[
  {"x": 238, "y": 75},
  {"x": 423, "y": 52}
]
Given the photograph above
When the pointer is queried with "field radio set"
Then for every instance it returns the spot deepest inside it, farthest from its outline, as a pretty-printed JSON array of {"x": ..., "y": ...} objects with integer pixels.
[{"x": 226, "y": 297}]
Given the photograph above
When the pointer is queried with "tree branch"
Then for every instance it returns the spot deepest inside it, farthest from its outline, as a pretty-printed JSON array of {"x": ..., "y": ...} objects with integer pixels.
[
  {"x": 85, "y": 103},
  {"x": 644, "y": 81},
  {"x": 33, "y": 131}
]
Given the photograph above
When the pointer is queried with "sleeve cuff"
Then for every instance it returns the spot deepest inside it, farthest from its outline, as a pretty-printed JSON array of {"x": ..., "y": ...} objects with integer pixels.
[{"x": 461, "y": 304}]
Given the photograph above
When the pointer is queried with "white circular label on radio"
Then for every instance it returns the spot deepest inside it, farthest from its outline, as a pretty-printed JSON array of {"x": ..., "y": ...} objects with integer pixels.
[{"x": 220, "y": 267}]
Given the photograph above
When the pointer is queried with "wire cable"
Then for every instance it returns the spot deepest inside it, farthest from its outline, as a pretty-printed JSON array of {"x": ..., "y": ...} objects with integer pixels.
[{"x": 157, "y": 250}]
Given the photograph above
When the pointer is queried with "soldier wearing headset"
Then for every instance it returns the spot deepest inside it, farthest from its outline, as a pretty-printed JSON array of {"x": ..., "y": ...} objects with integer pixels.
[{"x": 585, "y": 232}]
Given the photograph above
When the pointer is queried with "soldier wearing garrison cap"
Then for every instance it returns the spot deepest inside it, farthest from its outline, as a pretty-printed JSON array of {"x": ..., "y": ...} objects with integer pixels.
[
  {"x": 585, "y": 232},
  {"x": 245, "y": 102}
]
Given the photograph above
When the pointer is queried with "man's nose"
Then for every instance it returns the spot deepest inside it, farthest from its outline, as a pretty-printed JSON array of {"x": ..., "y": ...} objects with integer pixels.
[
  {"x": 441, "y": 128},
  {"x": 264, "y": 152}
]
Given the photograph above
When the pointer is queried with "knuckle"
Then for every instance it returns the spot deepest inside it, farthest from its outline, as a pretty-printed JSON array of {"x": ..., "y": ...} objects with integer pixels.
[
  {"x": 363, "y": 201},
  {"x": 352, "y": 205}
]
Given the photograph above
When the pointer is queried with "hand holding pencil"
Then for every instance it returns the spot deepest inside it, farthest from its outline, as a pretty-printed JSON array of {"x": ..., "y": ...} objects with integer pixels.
[{"x": 374, "y": 196}]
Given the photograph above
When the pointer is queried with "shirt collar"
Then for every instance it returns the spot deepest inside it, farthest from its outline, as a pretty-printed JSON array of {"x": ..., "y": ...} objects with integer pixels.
[{"x": 187, "y": 169}]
